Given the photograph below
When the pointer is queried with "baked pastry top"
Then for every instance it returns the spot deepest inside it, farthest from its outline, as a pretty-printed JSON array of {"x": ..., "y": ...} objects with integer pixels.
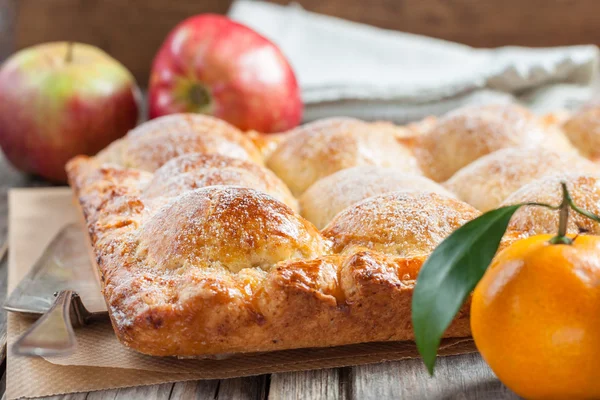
[
  {"x": 325, "y": 198},
  {"x": 583, "y": 130},
  {"x": 196, "y": 170},
  {"x": 530, "y": 220},
  {"x": 486, "y": 182},
  {"x": 407, "y": 224},
  {"x": 464, "y": 135},
  {"x": 321, "y": 148},
  {"x": 155, "y": 142},
  {"x": 203, "y": 250},
  {"x": 234, "y": 227}
]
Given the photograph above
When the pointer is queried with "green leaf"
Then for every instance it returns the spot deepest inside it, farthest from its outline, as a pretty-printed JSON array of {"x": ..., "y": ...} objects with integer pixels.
[{"x": 450, "y": 274}]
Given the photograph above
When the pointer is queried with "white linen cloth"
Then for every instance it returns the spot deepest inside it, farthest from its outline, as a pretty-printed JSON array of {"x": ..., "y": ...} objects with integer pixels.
[{"x": 346, "y": 68}]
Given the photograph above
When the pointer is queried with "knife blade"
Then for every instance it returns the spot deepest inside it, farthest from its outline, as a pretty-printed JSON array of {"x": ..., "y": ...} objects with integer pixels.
[
  {"x": 64, "y": 265},
  {"x": 62, "y": 289}
]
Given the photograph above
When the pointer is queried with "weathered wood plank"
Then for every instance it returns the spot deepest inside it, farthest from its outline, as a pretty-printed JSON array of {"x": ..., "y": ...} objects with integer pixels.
[
  {"x": 458, "y": 377},
  {"x": 320, "y": 384},
  {"x": 198, "y": 390},
  {"x": 253, "y": 387},
  {"x": 74, "y": 396},
  {"x": 101, "y": 395},
  {"x": 154, "y": 392},
  {"x": 235, "y": 389},
  {"x": 3, "y": 382},
  {"x": 3, "y": 250}
]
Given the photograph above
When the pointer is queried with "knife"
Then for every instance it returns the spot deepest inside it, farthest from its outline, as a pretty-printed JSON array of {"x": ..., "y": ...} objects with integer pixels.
[{"x": 62, "y": 291}]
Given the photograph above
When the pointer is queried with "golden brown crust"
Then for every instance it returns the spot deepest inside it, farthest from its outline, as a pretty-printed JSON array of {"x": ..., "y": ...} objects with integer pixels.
[
  {"x": 226, "y": 226},
  {"x": 325, "y": 198},
  {"x": 534, "y": 220},
  {"x": 466, "y": 134},
  {"x": 583, "y": 130},
  {"x": 153, "y": 143},
  {"x": 486, "y": 182},
  {"x": 193, "y": 171},
  {"x": 225, "y": 269},
  {"x": 321, "y": 148},
  {"x": 266, "y": 143},
  {"x": 407, "y": 224}
]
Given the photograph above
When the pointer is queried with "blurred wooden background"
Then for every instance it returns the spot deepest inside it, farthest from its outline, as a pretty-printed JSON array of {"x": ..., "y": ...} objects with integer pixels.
[{"x": 132, "y": 30}]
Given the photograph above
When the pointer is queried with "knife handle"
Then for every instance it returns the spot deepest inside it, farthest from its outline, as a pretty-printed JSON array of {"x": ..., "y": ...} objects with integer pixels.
[{"x": 52, "y": 334}]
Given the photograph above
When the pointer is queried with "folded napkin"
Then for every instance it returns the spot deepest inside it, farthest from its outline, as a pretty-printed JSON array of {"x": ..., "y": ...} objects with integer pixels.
[{"x": 346, "y": 68}]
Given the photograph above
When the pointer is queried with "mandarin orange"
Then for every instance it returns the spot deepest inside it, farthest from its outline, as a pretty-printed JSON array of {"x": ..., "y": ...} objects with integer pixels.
[{"x": 535, "y": 318}]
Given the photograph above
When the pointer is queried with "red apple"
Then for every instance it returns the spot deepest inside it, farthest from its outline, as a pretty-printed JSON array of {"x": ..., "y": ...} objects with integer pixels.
[
  {"x": 58, "y": 100},
  {"x": 212, "y": 65}
]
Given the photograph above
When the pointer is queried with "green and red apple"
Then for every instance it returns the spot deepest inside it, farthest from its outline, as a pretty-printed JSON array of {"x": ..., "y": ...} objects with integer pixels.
[
  {"x": 210, "y": 64},
  {"x": 58, "y": 100}
]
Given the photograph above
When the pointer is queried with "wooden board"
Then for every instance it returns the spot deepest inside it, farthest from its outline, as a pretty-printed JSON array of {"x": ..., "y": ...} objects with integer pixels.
[{"x": 133, "y": 30}]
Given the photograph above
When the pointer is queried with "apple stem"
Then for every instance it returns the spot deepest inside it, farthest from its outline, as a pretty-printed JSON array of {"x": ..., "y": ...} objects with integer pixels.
[
  {"x": 69, "y": 55},
  {"x": 198, "y": 95}
]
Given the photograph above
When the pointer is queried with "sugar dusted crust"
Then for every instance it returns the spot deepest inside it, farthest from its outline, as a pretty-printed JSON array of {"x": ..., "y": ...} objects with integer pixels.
[
  {"x": 321, "y": 148},
  {"x": 583, "y": 130},
  {"x": 328, "y": 196},
  {"x": 213, "y": 263},
  {"x": 486, "y": 182},
  {"x": 464, "y": 135},
  {"x": 531, "y": 220},
  {"x": 407, "y": 224},
  {"x": 153, "y": 143},
  {"x": 192, "y": 171}
]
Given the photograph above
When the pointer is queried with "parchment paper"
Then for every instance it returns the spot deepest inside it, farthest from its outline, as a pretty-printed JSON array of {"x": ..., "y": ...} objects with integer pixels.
[{"x": 101, "y": 362}]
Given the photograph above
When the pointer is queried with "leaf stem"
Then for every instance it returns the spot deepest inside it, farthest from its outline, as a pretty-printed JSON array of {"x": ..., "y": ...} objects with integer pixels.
[
  {"x": 548, "y": 206},
  {"x": 563, "y": 219},
  {"x": 583, "y": 212}
]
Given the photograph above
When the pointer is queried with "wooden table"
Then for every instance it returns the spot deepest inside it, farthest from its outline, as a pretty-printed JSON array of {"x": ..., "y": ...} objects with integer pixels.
[{"x": 458, "y": 377}]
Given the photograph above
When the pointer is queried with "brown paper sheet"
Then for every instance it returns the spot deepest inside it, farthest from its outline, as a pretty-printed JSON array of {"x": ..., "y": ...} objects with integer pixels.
[{"x": 101, "y": 362}]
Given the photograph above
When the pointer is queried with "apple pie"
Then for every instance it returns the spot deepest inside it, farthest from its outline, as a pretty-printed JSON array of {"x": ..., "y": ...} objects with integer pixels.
[{"x": 212, "y": 241}]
